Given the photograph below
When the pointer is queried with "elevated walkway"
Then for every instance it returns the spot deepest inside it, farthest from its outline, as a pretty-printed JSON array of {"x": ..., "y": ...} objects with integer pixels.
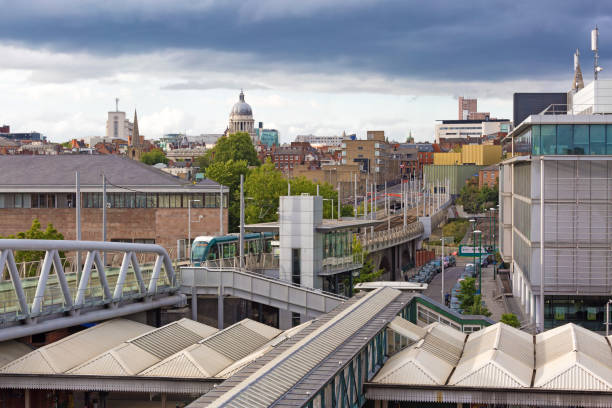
[
  {"x": 257, "y": 288},
  {"x": 51, "y": 301}
]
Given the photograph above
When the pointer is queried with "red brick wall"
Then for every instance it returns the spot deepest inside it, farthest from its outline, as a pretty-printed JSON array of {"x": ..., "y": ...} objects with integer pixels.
[{"x": 165, "y": 225}]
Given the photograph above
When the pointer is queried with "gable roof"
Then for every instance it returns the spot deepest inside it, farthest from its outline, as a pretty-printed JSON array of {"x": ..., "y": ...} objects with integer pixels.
[
  {"x": 30, "y": 173},
  {"x": 217, "y": 352},
  {"x": 69, "y": 352},
  {"x": 140, "y": 353}
]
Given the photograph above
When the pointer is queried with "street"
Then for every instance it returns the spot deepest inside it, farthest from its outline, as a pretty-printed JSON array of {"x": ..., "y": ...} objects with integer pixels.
[{"x": 450, "y": 278}]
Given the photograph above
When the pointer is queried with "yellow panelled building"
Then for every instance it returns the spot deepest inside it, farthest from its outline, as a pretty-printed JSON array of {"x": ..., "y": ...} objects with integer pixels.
[{"x": 480, "y": 155}]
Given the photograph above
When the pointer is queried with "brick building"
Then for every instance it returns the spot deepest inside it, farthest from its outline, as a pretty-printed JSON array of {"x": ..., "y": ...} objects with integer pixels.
[
  {"x": 144, "y": 204},
  {"x": 488, "y": 176},
  {"x": 288, "y": 158}
]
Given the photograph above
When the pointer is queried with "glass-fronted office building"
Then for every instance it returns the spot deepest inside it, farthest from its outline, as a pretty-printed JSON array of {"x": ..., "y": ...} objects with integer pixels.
[
  {"x": 563, "y": 162},
  {"x": 565, "y": 139},
  {"x": 268, "y": 137}
]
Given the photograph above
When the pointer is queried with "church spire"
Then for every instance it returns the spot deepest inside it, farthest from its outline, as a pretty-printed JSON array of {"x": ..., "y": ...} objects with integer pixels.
[
  {"x": 241, "y": 96},
  {"x": 135, "y": 132},
  {"x": 578, "y": 82}
]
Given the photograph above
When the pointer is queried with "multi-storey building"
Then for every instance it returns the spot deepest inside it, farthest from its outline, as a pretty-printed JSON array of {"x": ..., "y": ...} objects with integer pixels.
[
  {"x": 267, "y": 137},
  {"x": 322, "y": 140},
  {"x": 470, "y": 130},
  {"x": 143, "y": 203},
  {"x": 556, "y": 213},
  {"x": 118, "y": 126},
  {"x": 488, "y": 176}
]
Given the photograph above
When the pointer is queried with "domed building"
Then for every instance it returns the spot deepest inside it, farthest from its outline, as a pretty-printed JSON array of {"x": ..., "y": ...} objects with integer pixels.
[{"x": 241, "y": 119}]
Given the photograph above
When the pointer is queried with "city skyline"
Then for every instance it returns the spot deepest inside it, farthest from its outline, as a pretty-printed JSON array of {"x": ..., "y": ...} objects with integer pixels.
[{"x": 308, "y": 68}]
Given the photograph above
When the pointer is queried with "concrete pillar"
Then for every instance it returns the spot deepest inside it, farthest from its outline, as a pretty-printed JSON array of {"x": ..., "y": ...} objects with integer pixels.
[
  {"x": 527, "y": 300},
  {"x": 284, "y": 319},
  {"x": 538, "y": 314},
  {"x": 220, "y": 308},
  {"x": 27, "y": 399},
  {"x": 532, "y": 309},
  {"x": 163, "y": 400},
  {"x": 194, "y": 304}
]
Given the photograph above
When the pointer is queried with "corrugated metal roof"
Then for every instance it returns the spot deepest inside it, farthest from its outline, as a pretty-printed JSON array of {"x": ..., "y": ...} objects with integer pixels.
[
  {"x": 11, "y": 350},
  {"x": 216, "y": 352},
  {"x": 278, "y": 376},
  {"x": 414, "y": 365},
  {"x": 142, "y": 352},
  {"x": 198, "y": 361},
  {"x": 407, "y": 329},
  {"x": 571, "y": 357},
  {"x": 172, "y": 338},
  {"x": 278, "y": 340},
  {"x": 241, "y": 339},
  {"x": 73, "y": 350},
  {"x": 496, "y": 356}
]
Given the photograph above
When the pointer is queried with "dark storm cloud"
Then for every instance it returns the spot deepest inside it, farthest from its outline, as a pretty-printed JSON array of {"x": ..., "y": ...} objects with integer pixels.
[{"x": 434, "y": 40}]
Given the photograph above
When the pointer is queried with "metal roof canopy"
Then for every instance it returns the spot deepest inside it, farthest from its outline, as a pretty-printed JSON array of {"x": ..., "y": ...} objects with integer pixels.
[
  {"x": 489, "y": 396},
  {"x": 107, "y": 383},
  {"x": 325, "y": 226},
  {"x": 312, "y": 361},
  {"x": 398, "y": 285}
]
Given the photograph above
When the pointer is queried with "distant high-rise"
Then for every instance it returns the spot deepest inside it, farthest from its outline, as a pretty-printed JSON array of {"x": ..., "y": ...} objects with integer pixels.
[
  {"x": 117, "y": 125},
  {"x": 467, "y": 106}
]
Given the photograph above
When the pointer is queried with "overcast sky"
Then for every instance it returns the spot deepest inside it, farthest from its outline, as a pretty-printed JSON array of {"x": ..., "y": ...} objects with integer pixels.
[{"x": 307, "y": 66}]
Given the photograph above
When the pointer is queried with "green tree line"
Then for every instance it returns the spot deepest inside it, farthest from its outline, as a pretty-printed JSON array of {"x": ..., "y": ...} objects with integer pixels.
[{"x": 233, "y": 156}]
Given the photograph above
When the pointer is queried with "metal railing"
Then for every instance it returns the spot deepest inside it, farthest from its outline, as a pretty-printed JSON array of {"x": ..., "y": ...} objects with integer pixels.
[
  {"x": 96, "y": 285},
  {"x": 577, "y": 108},
  {"x": 385, "y": 239}
]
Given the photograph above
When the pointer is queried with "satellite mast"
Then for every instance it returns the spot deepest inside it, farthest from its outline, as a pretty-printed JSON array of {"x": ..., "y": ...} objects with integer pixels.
[{"x": 595, "y": 49}]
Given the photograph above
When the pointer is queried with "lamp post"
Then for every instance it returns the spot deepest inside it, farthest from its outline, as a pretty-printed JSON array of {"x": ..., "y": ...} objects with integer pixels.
[
  {"x": 473, "y": 222},
  {"x": 443, "y": 239},
  {"x": 608, "y": 317},
  {"x": 189, "y": 224},
  {"x": 479, "y": 233}
]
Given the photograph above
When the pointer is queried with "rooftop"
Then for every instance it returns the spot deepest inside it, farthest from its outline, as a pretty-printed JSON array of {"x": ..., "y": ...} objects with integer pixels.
[
  {"x": 500, "y": 357},
  {"x": 326, "y": 225},
  {"x": 33, "y": 173}
]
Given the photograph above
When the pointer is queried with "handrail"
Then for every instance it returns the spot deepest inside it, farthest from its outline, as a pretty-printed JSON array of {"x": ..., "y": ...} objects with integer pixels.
[
  {"x": 94, "y": 251},
  {"x": 274, "y": 280}
]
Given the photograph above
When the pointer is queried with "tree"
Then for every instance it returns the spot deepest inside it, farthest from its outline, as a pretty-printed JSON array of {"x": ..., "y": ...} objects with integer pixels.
[
  {"x": 475, "y": 200},
  {"x": 35, "y": 232},
  {"x": 236, "y": 147},
  {"x": 153, "y": 157},
  {"x": 367, "y": 273},
  {"x": 466, "y": 295},
  {"x": 478, "y": 308},
  {"x": 264, "y": 185},
  {"x": 511, "y": 320},
  {"x": 202, "y": 162},
  {"x": 228, "y": 174},
  {"x": 301, "y": 185}
]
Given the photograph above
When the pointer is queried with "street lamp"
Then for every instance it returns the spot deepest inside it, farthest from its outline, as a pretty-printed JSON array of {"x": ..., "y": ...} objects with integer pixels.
[
  {"x": 473, "y": 222},
  {"x": 493, "y": 228},
  {"x": 189, "y": 223},
  {"x": 443, "y": 239},
  {"x": 479, "y": 233},
  {"x": 608, "y": 317}
]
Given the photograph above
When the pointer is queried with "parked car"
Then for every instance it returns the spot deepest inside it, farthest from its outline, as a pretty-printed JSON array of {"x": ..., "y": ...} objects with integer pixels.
[{"x": 449, "y": 261}]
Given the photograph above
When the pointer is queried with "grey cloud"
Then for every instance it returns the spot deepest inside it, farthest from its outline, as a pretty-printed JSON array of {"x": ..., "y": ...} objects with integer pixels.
[{"x": 213, "y": 84}]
